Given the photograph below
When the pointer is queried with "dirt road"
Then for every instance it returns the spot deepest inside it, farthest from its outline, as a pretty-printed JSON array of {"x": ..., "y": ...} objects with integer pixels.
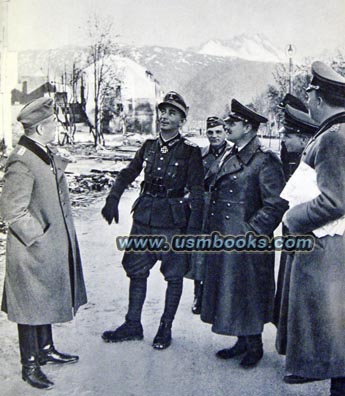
[{"x": 188, "y": 368}]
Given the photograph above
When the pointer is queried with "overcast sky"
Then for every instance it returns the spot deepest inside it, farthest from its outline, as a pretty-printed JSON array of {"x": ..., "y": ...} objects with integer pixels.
[{"x": 311, "y": 25}]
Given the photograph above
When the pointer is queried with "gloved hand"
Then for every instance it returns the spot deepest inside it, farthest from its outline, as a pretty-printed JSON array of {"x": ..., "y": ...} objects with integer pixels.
[{"x": 111, "y": 210}]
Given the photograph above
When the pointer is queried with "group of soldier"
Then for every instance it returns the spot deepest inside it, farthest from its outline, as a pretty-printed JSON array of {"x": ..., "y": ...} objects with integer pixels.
[{"x": 231, "y": 187}]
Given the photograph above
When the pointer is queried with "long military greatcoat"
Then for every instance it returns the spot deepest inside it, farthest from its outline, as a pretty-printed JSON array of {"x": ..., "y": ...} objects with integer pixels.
[
  {"x": 239, "y": 286},
  {"x": 312, "y": 329},
  {"x": 210, "y": 159},
  {"x": 44, "y": 280}
]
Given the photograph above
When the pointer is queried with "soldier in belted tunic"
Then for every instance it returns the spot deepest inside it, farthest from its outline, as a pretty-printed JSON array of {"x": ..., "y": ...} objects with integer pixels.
[
  {"x": 173, "y": 167},
  {"x": 211, "y": 156},
  {"x": 315, "y": 325},
  {"x": 239, "y": 285}
]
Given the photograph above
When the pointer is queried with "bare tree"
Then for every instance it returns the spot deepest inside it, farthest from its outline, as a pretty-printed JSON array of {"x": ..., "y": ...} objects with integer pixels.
[{"x": 101, "y": 46}]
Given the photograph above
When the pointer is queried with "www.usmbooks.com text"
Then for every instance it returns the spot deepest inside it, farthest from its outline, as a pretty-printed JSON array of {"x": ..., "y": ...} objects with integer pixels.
[{"x": 215, "y": 242}]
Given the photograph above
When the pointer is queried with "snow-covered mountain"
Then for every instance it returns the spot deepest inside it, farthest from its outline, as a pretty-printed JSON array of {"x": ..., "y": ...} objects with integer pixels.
[
  {"x": 250, "y": 47},
  {"x": 207, "y": 82}
]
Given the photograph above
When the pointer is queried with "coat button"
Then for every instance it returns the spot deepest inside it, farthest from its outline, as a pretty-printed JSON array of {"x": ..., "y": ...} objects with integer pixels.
[
  {"x": 181, "y": 201},
  {"x": 230, "y": 191},
  {"x": 213, "y": 202},
  {"x": 227, "y": 217},
  {"x": 161, "y": 158},
  {"x": 235, "y": 177},
  {"x": 228, "y": 204},
  {"x": 212, "y": 214},
  {"x": 158, "y": 168}
]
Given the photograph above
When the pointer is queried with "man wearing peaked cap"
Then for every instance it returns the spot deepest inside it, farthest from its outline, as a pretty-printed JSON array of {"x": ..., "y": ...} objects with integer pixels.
[
  {"x": 239, "y": 112},
  {"x": 211, "y": 157},
  {"x": 287, "y": 156},
  {"x": 239, "y": 286},
  {"x": 43, "y": 281},
  {"x": 172, "y": 166},
  {"x": 327, "y": 81},
  {"x": 298, "y": 128},
  {"x": 294, "y": 102},
  {"x": 315, "y": 330}
]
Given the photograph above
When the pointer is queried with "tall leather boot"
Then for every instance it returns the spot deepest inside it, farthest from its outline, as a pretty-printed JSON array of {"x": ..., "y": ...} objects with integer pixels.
[
  {"x": 173, "y": 294},
  {"x": 31, "y": 371},
  {"x": 338, "y": 386},
  {"x": 47, "y": 351},
  {"x": 198, "y": 289},
  {"x": 132, "y": 329},
  {"x": 254, "y": 351}
]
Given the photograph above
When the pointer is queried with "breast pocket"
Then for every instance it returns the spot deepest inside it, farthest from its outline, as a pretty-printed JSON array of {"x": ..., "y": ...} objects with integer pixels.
[{"x": 177, "y": 168}]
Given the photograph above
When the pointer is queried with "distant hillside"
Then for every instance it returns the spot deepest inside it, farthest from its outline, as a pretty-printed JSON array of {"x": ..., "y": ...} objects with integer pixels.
[{"x": 206, "y": 81}]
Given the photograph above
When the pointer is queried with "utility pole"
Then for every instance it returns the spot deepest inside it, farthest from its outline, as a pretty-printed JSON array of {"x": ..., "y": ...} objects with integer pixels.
[
  {"x": 5, "y": 92},
  {"x": 290, "y": 52}
]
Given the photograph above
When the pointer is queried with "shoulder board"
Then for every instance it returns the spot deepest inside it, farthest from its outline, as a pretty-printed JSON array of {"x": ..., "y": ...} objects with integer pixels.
[
  {"x": 21, "y": 151},
  {"x": 153, "y": 139},
  {"x": 189, "y": 143}
]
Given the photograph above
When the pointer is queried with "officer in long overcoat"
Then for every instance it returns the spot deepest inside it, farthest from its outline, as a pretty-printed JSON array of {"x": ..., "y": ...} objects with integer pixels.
[
  {"x": 172, "y": 168},
  {"x": 239, "y": 286},
  {"x": 43, "y": 280},
  {"x": 298, "y": 129},
  {"x": 315, "y": 323},
  {"x": 211, "y": 154}
]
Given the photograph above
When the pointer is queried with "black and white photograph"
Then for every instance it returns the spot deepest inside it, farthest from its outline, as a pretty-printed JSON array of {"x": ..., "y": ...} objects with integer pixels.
[{"x": 172, "y": 198}]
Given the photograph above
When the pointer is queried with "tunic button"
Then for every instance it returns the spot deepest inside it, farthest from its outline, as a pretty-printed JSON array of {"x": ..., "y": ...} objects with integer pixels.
[
  {"x": 227, "y": 217},
  {"x": 228, "y": 204},
  {"x": 161, "y": 158},
  {"x": 212, "y": 214},
  {"x": 230, "y": 191},
  {"x": 213, "y": 202},
  {"x": 235, "y": 177},
  {"x": 181, "y": 201},
  {"x": 158, "y": 168}
]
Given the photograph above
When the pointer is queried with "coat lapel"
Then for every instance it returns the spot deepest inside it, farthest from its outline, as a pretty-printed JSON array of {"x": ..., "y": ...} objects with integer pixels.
[{"x": 234, "y": 163}]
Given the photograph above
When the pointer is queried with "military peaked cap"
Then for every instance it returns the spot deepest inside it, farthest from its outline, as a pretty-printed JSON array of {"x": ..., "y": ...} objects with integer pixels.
[
  {"x": 239, "y": 112},
  {"x": 326, "y": 79},
  {"x": 294, "y": 102},
  {"x": 172, "y": 98},
  {"x": 296, "y": 121},
  {"x": 36, "y": 111}
]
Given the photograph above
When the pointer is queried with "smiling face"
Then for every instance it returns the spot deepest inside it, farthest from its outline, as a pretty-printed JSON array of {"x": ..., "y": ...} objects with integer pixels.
[
  {"x": 236, "y": 130},
  {"x": 170, "y": 119},
  {"x": 216, "y": 135}
]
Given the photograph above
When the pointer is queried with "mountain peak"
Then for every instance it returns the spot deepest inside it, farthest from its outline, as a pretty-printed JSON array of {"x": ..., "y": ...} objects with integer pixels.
[{"x": 255, "y": 47}]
